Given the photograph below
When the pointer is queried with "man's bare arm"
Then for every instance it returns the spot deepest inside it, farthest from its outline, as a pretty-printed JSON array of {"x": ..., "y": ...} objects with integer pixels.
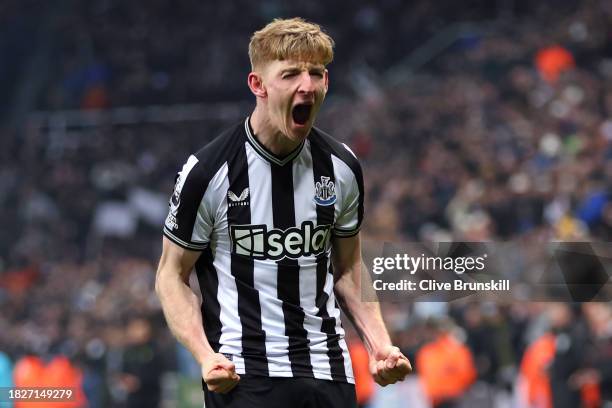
[
  {"x": 181, "y": 306},
  {"x": 388, "y": 364},
  {"x": 182, "y": 311},
  {"x": 365, "y": 316}
]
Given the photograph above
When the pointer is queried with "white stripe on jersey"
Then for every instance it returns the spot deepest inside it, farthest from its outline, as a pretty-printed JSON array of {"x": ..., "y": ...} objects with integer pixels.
[
  {"x": 206, "y": 213},
  {"x": 265, "y": 275}
]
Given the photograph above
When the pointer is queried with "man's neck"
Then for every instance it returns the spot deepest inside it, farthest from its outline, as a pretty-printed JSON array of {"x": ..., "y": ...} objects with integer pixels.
[{"x": 273, "y": 139}]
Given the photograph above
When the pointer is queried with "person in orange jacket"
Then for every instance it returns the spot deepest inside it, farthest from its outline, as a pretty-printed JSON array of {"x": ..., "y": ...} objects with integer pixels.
[
  {"x": 31, "y": 372},
  {"x": 445, "y": 366},
  {"x": 552, "y": 370},
  {"x": 536, "y": 360},
  {"x": 364, "y": 382}
]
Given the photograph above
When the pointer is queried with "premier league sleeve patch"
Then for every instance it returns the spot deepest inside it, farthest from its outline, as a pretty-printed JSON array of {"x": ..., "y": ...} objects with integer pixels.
[{"x": 175, "y": 199}]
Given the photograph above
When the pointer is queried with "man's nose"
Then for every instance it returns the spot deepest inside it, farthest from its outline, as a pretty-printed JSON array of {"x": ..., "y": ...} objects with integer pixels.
[{"x": 306, "y": 84}]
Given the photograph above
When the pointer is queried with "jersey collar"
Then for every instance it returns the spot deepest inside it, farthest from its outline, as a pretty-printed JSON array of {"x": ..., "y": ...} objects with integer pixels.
[{"x": 264, "y": 152}]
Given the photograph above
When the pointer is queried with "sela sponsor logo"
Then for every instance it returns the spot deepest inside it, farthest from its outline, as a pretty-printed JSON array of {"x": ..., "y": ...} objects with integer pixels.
[
  {"x": 325, "y": 191},
  {"x": 234, "y": 200},
  {"x": 255, "y": 241}
]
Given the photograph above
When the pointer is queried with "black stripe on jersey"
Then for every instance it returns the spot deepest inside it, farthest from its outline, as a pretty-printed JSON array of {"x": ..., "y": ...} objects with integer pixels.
[
  {"x": 249, "y": 309},
  {"x": 288, "y": 283},
  {"x": 211, "y": 309},
  {"x": 323, "y": 167}
]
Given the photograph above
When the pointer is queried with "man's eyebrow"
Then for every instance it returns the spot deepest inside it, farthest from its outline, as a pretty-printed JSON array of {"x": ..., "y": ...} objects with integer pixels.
[
  {"x": 295, "y": 68},
  {"x": 289, "y": 69}
]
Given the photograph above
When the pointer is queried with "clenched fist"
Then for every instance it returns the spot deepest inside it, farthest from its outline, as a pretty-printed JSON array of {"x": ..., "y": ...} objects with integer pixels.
[
  {"x": 389, "y": 366},
  {"x": 219, "y": 374}
]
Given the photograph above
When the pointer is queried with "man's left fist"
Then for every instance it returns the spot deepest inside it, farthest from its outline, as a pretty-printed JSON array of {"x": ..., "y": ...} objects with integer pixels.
[{"x": 389, "y": 366}]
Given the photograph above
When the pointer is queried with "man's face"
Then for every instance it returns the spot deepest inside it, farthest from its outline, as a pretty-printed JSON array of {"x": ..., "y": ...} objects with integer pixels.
[{"x": 294, "y": 93}]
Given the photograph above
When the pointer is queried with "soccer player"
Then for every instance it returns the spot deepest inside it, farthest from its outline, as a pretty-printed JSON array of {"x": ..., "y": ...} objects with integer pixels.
[{"x": 263, "y": 212}]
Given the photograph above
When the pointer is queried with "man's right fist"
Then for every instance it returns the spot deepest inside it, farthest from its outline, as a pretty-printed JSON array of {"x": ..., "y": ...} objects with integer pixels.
[{"x": 219, "y": 374}]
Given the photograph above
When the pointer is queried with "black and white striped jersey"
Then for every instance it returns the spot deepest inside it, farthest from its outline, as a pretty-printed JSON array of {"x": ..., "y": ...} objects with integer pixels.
[{"x": 264, "y": 225}]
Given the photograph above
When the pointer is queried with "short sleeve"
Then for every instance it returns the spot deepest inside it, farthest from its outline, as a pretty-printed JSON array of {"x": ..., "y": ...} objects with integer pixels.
[
  {"x": 189, "y": 223},
  {"x": 349, "y": 175}
]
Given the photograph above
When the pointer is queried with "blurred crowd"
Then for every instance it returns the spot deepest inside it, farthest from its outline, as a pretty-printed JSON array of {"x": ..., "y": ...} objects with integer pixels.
[
  {"x": 506, "y": 135},
  {"x": 113, "y": 53}
]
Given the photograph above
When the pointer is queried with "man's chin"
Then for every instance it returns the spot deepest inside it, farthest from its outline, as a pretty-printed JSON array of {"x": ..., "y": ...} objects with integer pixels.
[{"x": 299, "y": 132}]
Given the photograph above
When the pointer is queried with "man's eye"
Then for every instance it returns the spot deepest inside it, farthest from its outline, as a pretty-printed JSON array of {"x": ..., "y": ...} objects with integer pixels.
[
  {"x": 289, "y": 75},
  {"x": 317, "y": 74}
]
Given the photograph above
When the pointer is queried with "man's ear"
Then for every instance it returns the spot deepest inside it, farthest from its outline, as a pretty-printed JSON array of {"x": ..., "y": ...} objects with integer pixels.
[
  {"x": 326, "y": 79},
  {"x": 255, "y": 82}
]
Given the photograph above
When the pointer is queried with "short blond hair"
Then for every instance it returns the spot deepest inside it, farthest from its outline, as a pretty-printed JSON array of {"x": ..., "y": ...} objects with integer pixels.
[{"x": 293, "y": 38}]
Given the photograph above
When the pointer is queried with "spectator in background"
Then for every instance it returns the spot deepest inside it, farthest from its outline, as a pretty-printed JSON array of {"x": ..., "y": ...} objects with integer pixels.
[
  {"x": 445, "y": 366},
  {"x": 142, "y": 366},
  {"x": 553, "y": 359},
  {"x": 61, "y": 373},
  {"x": 595, "y": 380},
  {"x": 553, "y": 61},
  {"x": 32, "y": 372},
  {"x": 570, "y": 343},
  {"x": 534, "y": 384},
  {"x": 27, "y": 373}
]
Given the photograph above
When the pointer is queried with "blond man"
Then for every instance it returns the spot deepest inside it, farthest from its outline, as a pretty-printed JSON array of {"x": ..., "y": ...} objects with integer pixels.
[{"x": 269, "y": 215}]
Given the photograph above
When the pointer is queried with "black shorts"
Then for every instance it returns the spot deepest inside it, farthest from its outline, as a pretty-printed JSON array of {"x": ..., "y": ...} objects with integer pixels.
[{"x": 274, "y": 392}]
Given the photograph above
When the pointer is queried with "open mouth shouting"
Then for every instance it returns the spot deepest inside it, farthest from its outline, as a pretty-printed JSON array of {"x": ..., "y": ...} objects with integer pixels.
[{"x": 301, "y": 113}]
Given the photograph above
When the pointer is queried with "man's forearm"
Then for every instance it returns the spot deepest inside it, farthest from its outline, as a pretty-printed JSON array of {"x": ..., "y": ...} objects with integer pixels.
[
  {"x": 182, "y": 311},
  {"x": 365, "y": 316}
]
